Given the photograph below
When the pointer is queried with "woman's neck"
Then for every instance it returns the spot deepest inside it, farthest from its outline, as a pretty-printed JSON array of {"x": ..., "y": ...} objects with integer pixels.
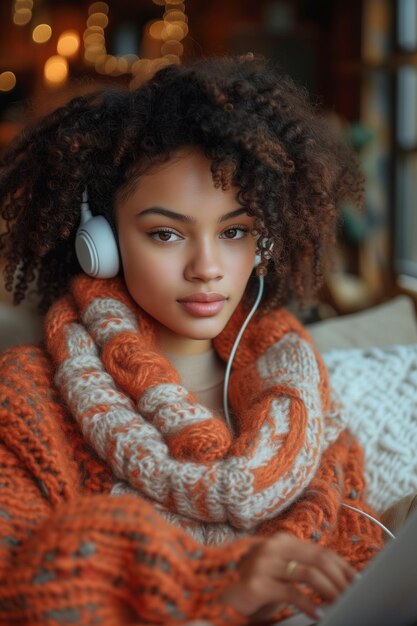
[{"x": 203, "y": 374}]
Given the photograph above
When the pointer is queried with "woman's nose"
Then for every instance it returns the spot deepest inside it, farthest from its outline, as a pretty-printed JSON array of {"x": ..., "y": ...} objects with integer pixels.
[{"x": 204, "y": 264}]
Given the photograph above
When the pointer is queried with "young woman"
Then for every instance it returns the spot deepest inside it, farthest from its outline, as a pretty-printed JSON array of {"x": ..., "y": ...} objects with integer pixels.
[{"x": 129, "y": 494}]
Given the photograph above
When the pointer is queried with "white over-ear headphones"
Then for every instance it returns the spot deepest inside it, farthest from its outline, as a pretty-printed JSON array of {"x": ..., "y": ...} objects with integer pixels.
[{"x": 96, "y": 246}]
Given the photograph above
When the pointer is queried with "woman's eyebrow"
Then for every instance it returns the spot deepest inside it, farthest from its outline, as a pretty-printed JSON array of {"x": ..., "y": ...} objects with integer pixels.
[{"x": 180, "y": 217}]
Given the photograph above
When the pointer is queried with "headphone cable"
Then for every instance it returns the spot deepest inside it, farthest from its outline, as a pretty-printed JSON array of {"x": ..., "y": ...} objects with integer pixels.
[{"x": 233, "y": 352}]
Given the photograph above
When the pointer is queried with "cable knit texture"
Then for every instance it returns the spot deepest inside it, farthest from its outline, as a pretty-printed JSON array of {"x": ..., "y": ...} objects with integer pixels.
[
  {"x": 117, "y": 421},
  {"x": 378, "y": 387}
]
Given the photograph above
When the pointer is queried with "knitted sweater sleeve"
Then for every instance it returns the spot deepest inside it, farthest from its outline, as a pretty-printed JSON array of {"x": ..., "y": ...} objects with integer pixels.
[{"x": 72, "y": 554}]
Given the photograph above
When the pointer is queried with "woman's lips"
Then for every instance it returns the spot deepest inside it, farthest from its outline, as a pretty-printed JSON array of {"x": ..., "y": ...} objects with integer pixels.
[{"x": 203, "y": 305}]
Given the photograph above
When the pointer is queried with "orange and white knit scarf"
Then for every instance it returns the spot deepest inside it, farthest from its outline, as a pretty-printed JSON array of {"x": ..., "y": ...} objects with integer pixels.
[{"x": 162, "y": 443}]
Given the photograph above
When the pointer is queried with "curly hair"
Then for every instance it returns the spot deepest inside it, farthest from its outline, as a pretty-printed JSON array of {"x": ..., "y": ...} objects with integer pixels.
[{"x": 260, "y": 131}]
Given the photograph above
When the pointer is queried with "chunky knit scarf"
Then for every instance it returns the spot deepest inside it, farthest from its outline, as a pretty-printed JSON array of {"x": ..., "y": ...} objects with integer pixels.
[{"x": 289, "y": 466}]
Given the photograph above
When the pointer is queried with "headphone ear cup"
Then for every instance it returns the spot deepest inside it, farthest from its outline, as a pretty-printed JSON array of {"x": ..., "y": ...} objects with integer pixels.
[{"x": 96, "y": 248}]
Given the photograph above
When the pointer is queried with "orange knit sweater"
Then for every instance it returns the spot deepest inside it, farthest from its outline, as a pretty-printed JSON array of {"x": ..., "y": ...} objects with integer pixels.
[{"x": 73, "y": 553}]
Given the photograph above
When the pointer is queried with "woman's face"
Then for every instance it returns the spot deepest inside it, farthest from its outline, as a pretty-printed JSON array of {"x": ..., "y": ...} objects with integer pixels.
[{"x": 186, "y": 249}]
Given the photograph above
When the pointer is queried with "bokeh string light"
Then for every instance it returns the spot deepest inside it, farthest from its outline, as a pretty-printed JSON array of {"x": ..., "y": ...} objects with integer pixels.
[
  {"x": 41, "y": 33},
  {"x": 169, "y": 32},
  {"x": 7, "y": 81},
  {"x": 68, "y": 43},
  {"x": 22, "y": 12},
  {"x": 21, "y": 15},
  {"x": 55, "y": 71}
]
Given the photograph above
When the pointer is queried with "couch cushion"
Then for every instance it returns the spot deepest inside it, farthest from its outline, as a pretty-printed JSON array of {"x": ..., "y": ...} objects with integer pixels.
[
  {"x": 393, "y": 322},
  {"x": 18, "y": 325}
]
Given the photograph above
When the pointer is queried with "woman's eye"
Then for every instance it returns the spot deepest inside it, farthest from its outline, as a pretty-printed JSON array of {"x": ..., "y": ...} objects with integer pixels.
[
  {"x": 164, "y": 235},
  {"x": 235, "y": 233}
]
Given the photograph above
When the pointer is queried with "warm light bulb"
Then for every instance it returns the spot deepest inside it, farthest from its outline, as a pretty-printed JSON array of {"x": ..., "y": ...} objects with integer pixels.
[
  {"x": 41, "y": 33},
  {"x": 22, "y": 17},
  {"x": 7, "y": 81},
  {"x": 56, "y": 70},
  {"x": 68, "y": 43},
  {"x": 98, "y": 7},
  {"x": 172, "y": 46},
  {"x": 157, "y": 29},
  {"x": 142, "y": 66},
  {"x": 176, "y": 31},
  {"x": 98, "y": 19},
  {"x": 93, "y": 30},
  {"x": 100, "y": 64},
  {"x": 110, "y": 64},
  {"x": 94, "y": 39},
  {"x": 173, "y": 15},
  {"x": 23, "y": 4},
  {"x": 93, "y": 53},
  {"x": 122, "y": 65},
  {"x": 170, "y": 59}
]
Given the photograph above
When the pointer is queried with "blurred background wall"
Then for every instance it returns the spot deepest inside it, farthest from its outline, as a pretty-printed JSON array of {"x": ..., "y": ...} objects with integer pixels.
[{"x": 358, "y": 58}]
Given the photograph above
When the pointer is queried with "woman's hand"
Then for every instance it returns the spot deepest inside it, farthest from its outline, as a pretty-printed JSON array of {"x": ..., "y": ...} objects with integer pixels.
[{"x": 268, "y": 573}]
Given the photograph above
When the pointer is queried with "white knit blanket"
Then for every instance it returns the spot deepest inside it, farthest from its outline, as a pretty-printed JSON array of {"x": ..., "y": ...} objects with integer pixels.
[{"x": 379, "y": 389}]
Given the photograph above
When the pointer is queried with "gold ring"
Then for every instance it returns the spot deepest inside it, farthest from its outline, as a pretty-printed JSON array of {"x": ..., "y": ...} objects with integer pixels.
[{"x": 290, "y": 569}]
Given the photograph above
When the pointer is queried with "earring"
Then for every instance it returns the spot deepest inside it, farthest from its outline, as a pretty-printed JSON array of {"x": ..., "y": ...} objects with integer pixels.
[
  {"x": 264, "y": 254},
  {"x": 261, "y": 270}
]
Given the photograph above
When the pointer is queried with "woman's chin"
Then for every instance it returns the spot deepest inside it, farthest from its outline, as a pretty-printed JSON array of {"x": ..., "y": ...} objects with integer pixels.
[{"x": 191, "y": 338}]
